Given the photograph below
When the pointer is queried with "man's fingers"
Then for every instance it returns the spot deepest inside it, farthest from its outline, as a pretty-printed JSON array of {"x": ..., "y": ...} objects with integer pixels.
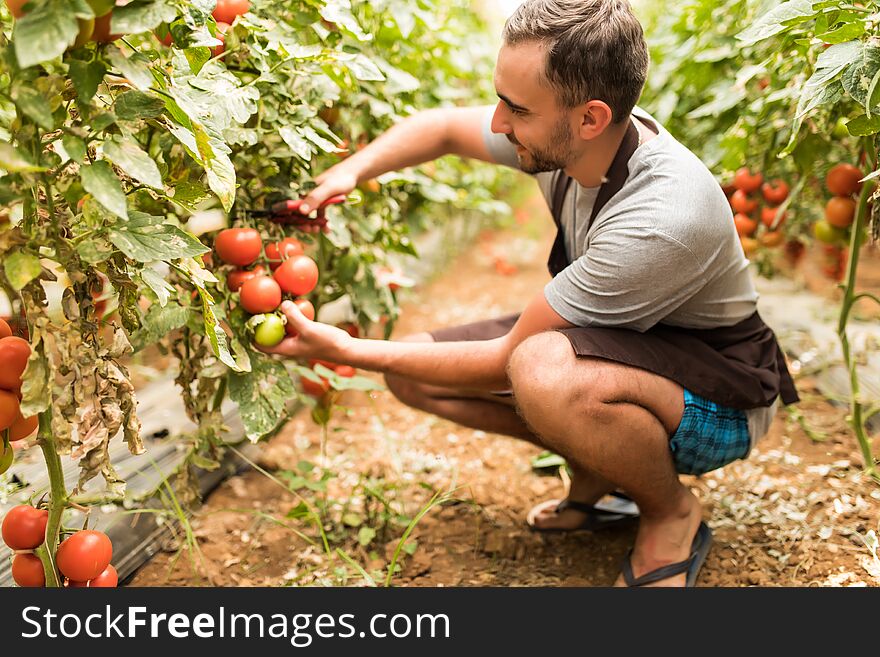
[
  {"x": 287, "y": 347},
  {"x": 293, "y": 314}
]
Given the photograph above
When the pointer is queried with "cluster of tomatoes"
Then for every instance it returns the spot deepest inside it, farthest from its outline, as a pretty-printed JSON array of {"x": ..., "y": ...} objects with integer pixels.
[
  {"x": 83, "y": 558},
  {"x": 14, "y": 354},
  {"x": 260, "y": 290},
  {"x": 842, "y": 181},
  {"x": 92, "y": 29},
  {"x": 745, "y": 202}
]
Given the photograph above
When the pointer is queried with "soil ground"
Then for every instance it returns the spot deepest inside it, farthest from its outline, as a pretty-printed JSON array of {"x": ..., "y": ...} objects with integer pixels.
[{"x": 795, "y": 513}]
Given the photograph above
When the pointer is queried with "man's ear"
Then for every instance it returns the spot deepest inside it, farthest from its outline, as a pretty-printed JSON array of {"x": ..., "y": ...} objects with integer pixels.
[{"x": 595, "y": 116}]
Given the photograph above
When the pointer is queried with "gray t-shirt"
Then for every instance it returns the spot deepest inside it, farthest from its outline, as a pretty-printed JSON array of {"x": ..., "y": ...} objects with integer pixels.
[{"x": 664, "y": 248}]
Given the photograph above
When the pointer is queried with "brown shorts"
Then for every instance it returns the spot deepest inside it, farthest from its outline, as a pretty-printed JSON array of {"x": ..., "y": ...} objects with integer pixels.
[{"x": 486, "y": 330}]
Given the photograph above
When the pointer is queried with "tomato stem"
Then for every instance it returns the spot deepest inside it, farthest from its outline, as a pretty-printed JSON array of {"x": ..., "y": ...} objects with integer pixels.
[{"x": 57, "y": 499}]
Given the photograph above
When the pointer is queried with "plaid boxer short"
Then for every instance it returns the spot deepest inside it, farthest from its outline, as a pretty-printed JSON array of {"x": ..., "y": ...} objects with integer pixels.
[{"x": 710, "y": 436}]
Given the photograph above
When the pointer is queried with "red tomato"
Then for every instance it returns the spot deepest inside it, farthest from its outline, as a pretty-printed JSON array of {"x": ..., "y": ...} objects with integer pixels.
[
  {"x": 27, "y": 571},
  {"x": 746, "y": 182},
  {"x": 843, "y": 180},
  {"x": 745, "y": 225},
  {"x": 227, "y": 10},
  {"x": 5, "y": 331},
  {"x": 775, "y": 192},
  {"x": 299, "y": 275},
  {"x": 260, "y": 295},
  {"x": 24, "y": 527},
  {"x": 768, "y": 215},
  {"x": 106, "y": 580},
  {"x": 84, "y": 555},
  {"x": 236, "y": 278},
  {"x": 314, "y": 389},
  {"x": 23, "y": 427},
  {"x": 9, "y": 409},
  {"x": 238, "y": 246},
  {"x": 306, "y": 308},
  {"x": 276, "y": 252},
  {"x": 15, "y": 7},
  {"x": 221, "y": 34},
  {"x": 740, "y": 202},
  {"x": 840, "y": 211},
  {"x": 14, "y": 354},
  {"x": 326, "y": 363},
  {"x": 352, "y": 329},
  {"x": 346, "y": 371}
]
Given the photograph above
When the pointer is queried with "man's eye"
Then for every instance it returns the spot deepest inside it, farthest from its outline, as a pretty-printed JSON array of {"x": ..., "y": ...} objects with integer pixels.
[{"x": 517, "y": 112}]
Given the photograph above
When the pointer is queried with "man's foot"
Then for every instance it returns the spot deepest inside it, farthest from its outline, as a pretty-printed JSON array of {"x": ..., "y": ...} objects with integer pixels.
[
  {"x": 612, "y": 510},
  {"x": 666, "y": 540}
]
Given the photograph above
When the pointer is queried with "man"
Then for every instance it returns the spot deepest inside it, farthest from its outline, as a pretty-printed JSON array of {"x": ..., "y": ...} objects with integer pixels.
[{"x": 644, "y": 357}]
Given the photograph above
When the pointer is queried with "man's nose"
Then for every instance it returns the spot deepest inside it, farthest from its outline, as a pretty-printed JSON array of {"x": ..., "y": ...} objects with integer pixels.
[{"x": 500, "y": 123}]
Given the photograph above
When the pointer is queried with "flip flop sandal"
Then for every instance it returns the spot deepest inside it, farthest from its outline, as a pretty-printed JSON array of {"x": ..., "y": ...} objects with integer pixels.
[
  {"x": 692, "y": 565},
  {"x": 617, "y": 512}
]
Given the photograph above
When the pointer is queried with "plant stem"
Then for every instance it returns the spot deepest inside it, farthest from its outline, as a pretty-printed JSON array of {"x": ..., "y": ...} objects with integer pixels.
[
  {"x": 57, "y": 498},
  {"x": 856, "y": 419}
]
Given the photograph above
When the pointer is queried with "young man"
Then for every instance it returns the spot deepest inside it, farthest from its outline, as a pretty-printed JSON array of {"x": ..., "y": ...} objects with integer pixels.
[{"x": 644, "y": 357}]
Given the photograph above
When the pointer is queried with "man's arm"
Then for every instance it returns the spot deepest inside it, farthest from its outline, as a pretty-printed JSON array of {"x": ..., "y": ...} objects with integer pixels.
[
  {"x": 418, "y": 138},
  {"x": 480, "y": 364}
]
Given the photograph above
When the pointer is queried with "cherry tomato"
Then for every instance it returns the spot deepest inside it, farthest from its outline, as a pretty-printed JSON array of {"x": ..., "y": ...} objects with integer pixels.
[
  {"x": 314, "y": 389},
  {"x": 768, "y": 216},
  {"x": 24, "y": 527},
  {"x": 27, "y": 571},
  {"x": 101, "y": 33},
  {"x": 238, "y": 246},
  {"x": 9, "y": 409},
  {"x": 740, "y": 202},
  {"x": 840, "y": 211},
  {"x": 23, "y": 427},
  {"x": 299, "y": 275},
  {"x": 5, "y": 330},
  {"x": 14, "y": 354},
  {"x": 270, "y": 331},
  {"x": 108, "y": 579},
  {"x": 775, "y": 192},
  {"x": 825, "y": 232},
  {"x": 236, "y": 278},
  {"x": 227, "y": 10},
  {"x": 84, "y": 555},
  {"x": 745, "y": 225},
  {"x": 772, "y": 238},
  {"x": 746, "y": 182},
  {"x": 276, "y": 252},
  {"x": 749, "y": 245},
  {"x": 843, "y": 180},
  {"x": 346, "y": 371},
  {"x": 260, "y": 295}
]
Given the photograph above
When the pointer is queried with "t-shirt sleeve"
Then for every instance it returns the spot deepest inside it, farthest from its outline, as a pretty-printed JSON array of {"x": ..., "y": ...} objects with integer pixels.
[
  {"x": 498, "y": 145},
  {"x": 628, "y": 277}
]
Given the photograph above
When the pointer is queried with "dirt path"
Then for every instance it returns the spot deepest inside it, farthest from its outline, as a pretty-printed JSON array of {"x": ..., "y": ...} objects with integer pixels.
[{"x": 792, "y": 514}]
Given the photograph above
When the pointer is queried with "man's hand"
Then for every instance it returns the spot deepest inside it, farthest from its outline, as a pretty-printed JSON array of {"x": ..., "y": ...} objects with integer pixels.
[
  {"x": 339, "y": 179},
  {"x": 312, "y": 340}
]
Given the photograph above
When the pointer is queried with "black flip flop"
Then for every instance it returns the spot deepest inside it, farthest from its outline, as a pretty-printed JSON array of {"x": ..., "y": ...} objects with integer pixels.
[
  {"x": 596, "y": 518},
  {"x": 692, "y": 565}
]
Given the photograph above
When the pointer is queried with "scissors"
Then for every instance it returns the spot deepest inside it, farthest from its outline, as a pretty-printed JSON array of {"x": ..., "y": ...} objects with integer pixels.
[{"x": 288, "y": 213}]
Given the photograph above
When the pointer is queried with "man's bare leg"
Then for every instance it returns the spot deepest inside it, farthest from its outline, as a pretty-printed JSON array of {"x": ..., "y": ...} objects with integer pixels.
[
  {"x": 615, "y": 420},
  {"x": 494, "y": 414}
]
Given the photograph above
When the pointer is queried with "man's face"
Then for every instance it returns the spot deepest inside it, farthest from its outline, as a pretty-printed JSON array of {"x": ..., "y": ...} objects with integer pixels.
[{"x": 528, "y": 113}]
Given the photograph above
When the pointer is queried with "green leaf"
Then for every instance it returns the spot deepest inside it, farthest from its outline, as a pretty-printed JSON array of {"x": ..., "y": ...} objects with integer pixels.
[
  {"x": 160, "y": 287},
  {"x": 863, "y": 126},
  {"x": 86, "y": 76},
  {"x": 35, "y": 384},
  {"x": 136, "y": 104},
  {"x": 365, "y": 536},
  {"x": 135, "y": 67},
  {"x": 75, "y": 147},
  {"x": 339, "y": 12},
  {"x": 776, "y": 20},
  {"x": 141, "y": 16},
  {"x": 125, "y": 153},
  {"x": 158, "y": 322},
  {"x": 13, "y": 161},
  {"x": 261, "y": 396},
  {"x": 298, "y": 144},
  {"x": 363, "y": 68},
  {"x": 197, "y": 58},
  {"x": 99, "y": 180},
  {"x": 34, "y": 105},
  {"x": 46, "y": 32},
  {"x": 189, "y": 195},
  {"x": 102, "y": 121},
  {"x": 94, "y": 250},
  {"x": 21, "y": 268},
  {"x": 845, "y": 32},
  {"x": 145, "y": 239},
  {"x": 858, "y": 76}
]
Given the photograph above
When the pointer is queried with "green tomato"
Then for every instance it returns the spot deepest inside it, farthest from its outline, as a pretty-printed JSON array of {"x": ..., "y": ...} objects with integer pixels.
[
  {"x": 825, "y": 232},
  {"x": 270, "y": 331},
  {"x": 840, "y": 131},
  {"x": 6, "y": 456}
]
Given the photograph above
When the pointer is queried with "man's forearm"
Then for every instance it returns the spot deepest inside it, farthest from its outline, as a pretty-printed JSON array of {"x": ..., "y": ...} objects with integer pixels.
[
  {"x": 418, "y": 138},
  {"x": 479, "y": 365}
]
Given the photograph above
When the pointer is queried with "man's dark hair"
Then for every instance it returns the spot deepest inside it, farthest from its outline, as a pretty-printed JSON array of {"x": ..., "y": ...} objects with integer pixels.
[{"x": 595, "y": 49}]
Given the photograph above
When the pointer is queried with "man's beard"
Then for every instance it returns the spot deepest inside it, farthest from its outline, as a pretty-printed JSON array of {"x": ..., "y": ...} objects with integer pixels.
[{"x": 555, "y": 156}]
